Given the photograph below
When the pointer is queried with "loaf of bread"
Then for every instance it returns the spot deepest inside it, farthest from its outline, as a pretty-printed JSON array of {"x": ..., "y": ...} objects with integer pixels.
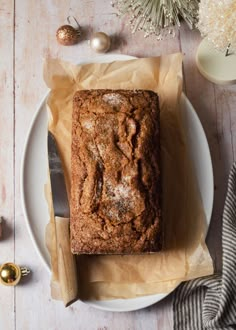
[{"x": 115, "y": 172}]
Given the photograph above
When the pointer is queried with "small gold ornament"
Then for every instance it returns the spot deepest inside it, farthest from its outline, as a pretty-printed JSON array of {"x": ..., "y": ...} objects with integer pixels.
[
  {"x": 100, "y": 42},
  {"x": 10, "y": 274},
  {"x": 68, "y": 35}
]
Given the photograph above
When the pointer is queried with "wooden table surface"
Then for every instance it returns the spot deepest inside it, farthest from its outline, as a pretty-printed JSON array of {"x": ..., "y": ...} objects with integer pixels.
[{"x": 27, "y": 36}]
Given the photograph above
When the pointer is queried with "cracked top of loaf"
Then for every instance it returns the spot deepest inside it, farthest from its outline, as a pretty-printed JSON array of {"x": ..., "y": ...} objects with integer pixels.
[{"x": 115, "y": 172}]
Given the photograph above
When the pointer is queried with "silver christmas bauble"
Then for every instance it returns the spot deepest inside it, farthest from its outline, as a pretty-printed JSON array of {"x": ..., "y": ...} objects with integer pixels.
[{"x": 100, "y": 42}]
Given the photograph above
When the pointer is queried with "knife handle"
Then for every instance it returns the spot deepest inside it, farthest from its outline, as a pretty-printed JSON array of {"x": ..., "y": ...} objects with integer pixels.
[{"x": 67, "y": 270}]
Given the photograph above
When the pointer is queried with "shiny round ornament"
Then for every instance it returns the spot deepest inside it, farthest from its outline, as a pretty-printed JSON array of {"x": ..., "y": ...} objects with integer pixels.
[
  {"x": 10, "y": 274},
  {"x": 67, "y": 35},
  {"x": 100, "y": 42}
]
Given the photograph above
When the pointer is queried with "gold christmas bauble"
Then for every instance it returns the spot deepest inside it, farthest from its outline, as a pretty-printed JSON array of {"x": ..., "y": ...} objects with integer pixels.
[
  {"x": 67, "y": 35},
  {"x": 10, "y": 274},
  {"x": 100, "y": 42}
]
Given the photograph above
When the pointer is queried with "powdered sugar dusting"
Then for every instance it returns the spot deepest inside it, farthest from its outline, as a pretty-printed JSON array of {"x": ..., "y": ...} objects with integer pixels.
[
  {"x": 122, "y": 191},
  {"x": 113, "y": 99},
  {"x": 87, "y": 124}
]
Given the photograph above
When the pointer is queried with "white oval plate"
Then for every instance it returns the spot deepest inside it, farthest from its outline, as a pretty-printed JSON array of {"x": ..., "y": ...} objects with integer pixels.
[{"x": 34, "y": 177}]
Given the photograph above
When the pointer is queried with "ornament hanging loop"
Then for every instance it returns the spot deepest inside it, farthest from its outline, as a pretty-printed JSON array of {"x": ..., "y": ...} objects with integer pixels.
[
  {"x": 75, "y": 20},
  {"x": 227, "y": 50}
]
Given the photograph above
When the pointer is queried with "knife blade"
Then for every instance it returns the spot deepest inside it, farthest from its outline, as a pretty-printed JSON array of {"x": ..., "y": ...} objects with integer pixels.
[
  {"x": 58, "y": 185},
  {"x": 66, "y": 263}
]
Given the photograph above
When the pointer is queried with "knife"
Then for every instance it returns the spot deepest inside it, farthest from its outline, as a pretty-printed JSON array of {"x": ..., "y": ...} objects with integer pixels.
[{"x": 66, "y": 260}]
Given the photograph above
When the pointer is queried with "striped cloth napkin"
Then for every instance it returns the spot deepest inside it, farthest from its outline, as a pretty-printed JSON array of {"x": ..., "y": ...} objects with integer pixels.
[{"x": 209, "y": 303}]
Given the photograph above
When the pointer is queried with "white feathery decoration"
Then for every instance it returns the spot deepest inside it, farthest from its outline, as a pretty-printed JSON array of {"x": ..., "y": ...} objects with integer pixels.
[
  {"x": 217, "y": 22},
  {"x": 158, "y": 17}
]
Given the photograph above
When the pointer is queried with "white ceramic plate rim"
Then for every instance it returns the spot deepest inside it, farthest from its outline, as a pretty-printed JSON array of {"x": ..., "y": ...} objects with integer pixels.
[{"x": 197, "y": 140}]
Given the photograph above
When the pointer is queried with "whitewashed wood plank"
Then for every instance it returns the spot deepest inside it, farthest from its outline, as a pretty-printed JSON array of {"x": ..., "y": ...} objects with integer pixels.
[
  {"x": 7, "y": 316},
  {"x": 225, "y": 105},
  {"x": 202, "y": 95},
  {"x": 214, "y": 105},
  {"x": 97, "y": 16},
  {"x": 32, "y": 38}
]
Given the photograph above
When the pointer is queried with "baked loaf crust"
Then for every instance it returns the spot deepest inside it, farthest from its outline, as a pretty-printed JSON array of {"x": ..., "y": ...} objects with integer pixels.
[{"x": 115, "y": 172}]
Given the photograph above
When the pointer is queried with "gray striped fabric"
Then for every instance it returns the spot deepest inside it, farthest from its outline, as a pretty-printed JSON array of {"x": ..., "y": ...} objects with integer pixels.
[{"x": 210, "y": 302}]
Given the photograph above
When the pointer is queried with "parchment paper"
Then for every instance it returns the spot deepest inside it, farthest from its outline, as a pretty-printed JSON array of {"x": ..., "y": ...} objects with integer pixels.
[{"x": 185, "y": 255}]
